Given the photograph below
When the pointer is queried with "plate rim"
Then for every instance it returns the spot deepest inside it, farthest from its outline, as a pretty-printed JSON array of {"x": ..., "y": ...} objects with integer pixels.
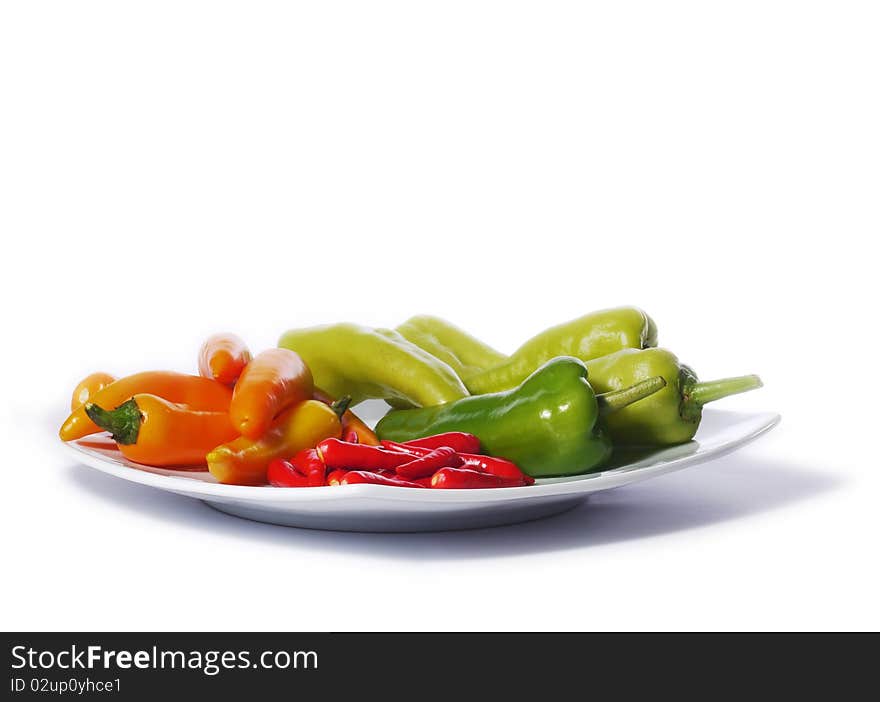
[{"x": 267, "y": 496}]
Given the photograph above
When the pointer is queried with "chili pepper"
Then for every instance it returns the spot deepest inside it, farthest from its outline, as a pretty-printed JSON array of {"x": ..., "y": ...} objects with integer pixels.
[
  {"x": 548, "y": 425},
  {"x": 485, "y": 464},
  {"x": 309, "y": 463},
  {"x": 424, "y": 482},
  {"x": 334, "y": 477},
  {"x": 273, "y": 381},
  {"x": 88, "y": 387},
  {"x": 351, "y": 423},
  {"x": 458, "y": 440},
  {"x": 244, "y": 461},
  {"x": 405, "y": 448},
  {"x": 496, "y": 466},
  {"x": 339, "y": 454},
  {"x": 223, "y": 358},
  {"x": 673, "y": 415},
  {"x": 153, "y": 431},
  {"x": 356, "y": 477},
  {"x": 430, "y": 463},
  {"x": 465, "y": 478},
  {"x": 195, "y": 392},
  {"x": 591, "y": 336},
  {"x": 351, "y": 437},
  {"x": 281, "y": 473},
  {"x": 465, "y": 354},
  {"x": 347, "y": 359}
]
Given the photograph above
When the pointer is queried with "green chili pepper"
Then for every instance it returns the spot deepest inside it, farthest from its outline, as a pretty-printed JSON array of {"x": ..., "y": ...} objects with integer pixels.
[
  {"x": 465, "y": 354},
  {"x": 591, "y": 336},
  {"x": 364, "y": 363},
  {"x": 549, "y": 425},
  {"x": 671, "y": 416}
]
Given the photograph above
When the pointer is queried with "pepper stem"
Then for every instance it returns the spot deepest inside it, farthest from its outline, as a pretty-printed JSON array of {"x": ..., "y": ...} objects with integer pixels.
[
  {"x": 701, "y": 393},
  {"x": 341, "y": 405},
  {"x": 618, "y": 399},
  {"x": 124, "y": 422}
]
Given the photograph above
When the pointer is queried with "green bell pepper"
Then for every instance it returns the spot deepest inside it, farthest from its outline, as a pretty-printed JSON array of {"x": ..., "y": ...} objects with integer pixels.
[
  {"x": 670, "y": 416},
  {"x": 550, "y": 425},
  {"x": 366, "y": 363},
  {"x": 591, "y": 336}
]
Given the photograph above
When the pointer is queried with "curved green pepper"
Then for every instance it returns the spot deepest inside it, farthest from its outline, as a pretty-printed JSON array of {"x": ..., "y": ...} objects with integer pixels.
[
  {"x": 549, "y": 425},
  {"x": 672, "y": 415},
  {"x": 591, "y": 336},
  {"x": 365, "y": 363},
  {"x": 465, "y": 354}
]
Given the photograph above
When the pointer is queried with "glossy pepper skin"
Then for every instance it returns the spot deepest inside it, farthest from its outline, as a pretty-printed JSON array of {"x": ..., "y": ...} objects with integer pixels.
[
  {"x": 88, "y": 387},
  {"x": 670, "y": 416},
  {"x": 223, "y": 357},
  {"x": 341, "y": 454},
  {"x": 244, "y": 461},
  {"x": 191, "y": 390},
  {"x": 363, "y": 477},
  {"x": 465, "y": 478},
  {"x": 425, "y": 466},
  {"x": 549, "y": 425},
  {"x": 274, "y": 380},
  {"x": 484, "y": 464},
  {"x": 462, "y": 352},
  {"x": 458, "y": 440},
  {"x": 363, "y": 363},
  {"x": 282, "y": 473},
  {"x": 591, "y": 336},
  {"x": 156, "y": 432}
]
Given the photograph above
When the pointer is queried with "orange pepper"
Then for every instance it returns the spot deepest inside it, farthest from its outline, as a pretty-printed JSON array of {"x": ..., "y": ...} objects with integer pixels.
[
  {"x": 191, "y": 390},
  {"x": 273, "y": 381},
  {"x": 88, "y": 387},
  {"x": 223, "y": 358},
  {"x": 351, "y": 422},
  {"x": 245, "y": 461},
  {"x": 151, "y": 430}
]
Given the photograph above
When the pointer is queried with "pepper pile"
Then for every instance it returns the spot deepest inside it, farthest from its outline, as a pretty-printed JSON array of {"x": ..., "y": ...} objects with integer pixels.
[
  {"x": 557, "y": 406},
  {"x": 237, "y": 416},
  {"x": 443, "y": 461}
]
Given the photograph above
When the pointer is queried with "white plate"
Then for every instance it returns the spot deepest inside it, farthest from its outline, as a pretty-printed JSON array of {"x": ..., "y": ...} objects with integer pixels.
[{"x": 381, "y": 508}]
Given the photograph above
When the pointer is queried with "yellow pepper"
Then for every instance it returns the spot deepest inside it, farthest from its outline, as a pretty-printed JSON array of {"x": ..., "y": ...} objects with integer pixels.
[{"x": 244, "y": 461}]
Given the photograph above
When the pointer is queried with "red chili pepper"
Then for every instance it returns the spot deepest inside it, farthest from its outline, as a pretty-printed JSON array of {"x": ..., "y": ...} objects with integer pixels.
[
  {"x": 459, "y": 440},
  {"x": 281, "y": 473},
  {"x": 310, "y": 465},
  {"x": 424, "y": 482},
  {"x": 485, "y": 464},
  {"x": 461, "y": 478},
  {"x": 339, "y": 454},
  {"x": 496, "y": 466},
  {"x": 428, "y": 464},
  {"x": 335, "y": 477},
  {"x": 354, "y": 477},
  {"x": 351, "y": 438},
  {"x": 405, "y": 448}
]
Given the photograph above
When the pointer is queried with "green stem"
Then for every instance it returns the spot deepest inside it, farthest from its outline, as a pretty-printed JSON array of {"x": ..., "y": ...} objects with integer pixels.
[
  {"x": 341, "y": 405},
  {"x": 124, "y": 422},
  {"x": 618, "y": 399},
  {"x": 701, "y": 393}
]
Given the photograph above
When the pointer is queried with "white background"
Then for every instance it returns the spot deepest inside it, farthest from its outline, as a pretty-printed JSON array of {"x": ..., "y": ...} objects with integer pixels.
[{"x": 171, "y": 169}]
